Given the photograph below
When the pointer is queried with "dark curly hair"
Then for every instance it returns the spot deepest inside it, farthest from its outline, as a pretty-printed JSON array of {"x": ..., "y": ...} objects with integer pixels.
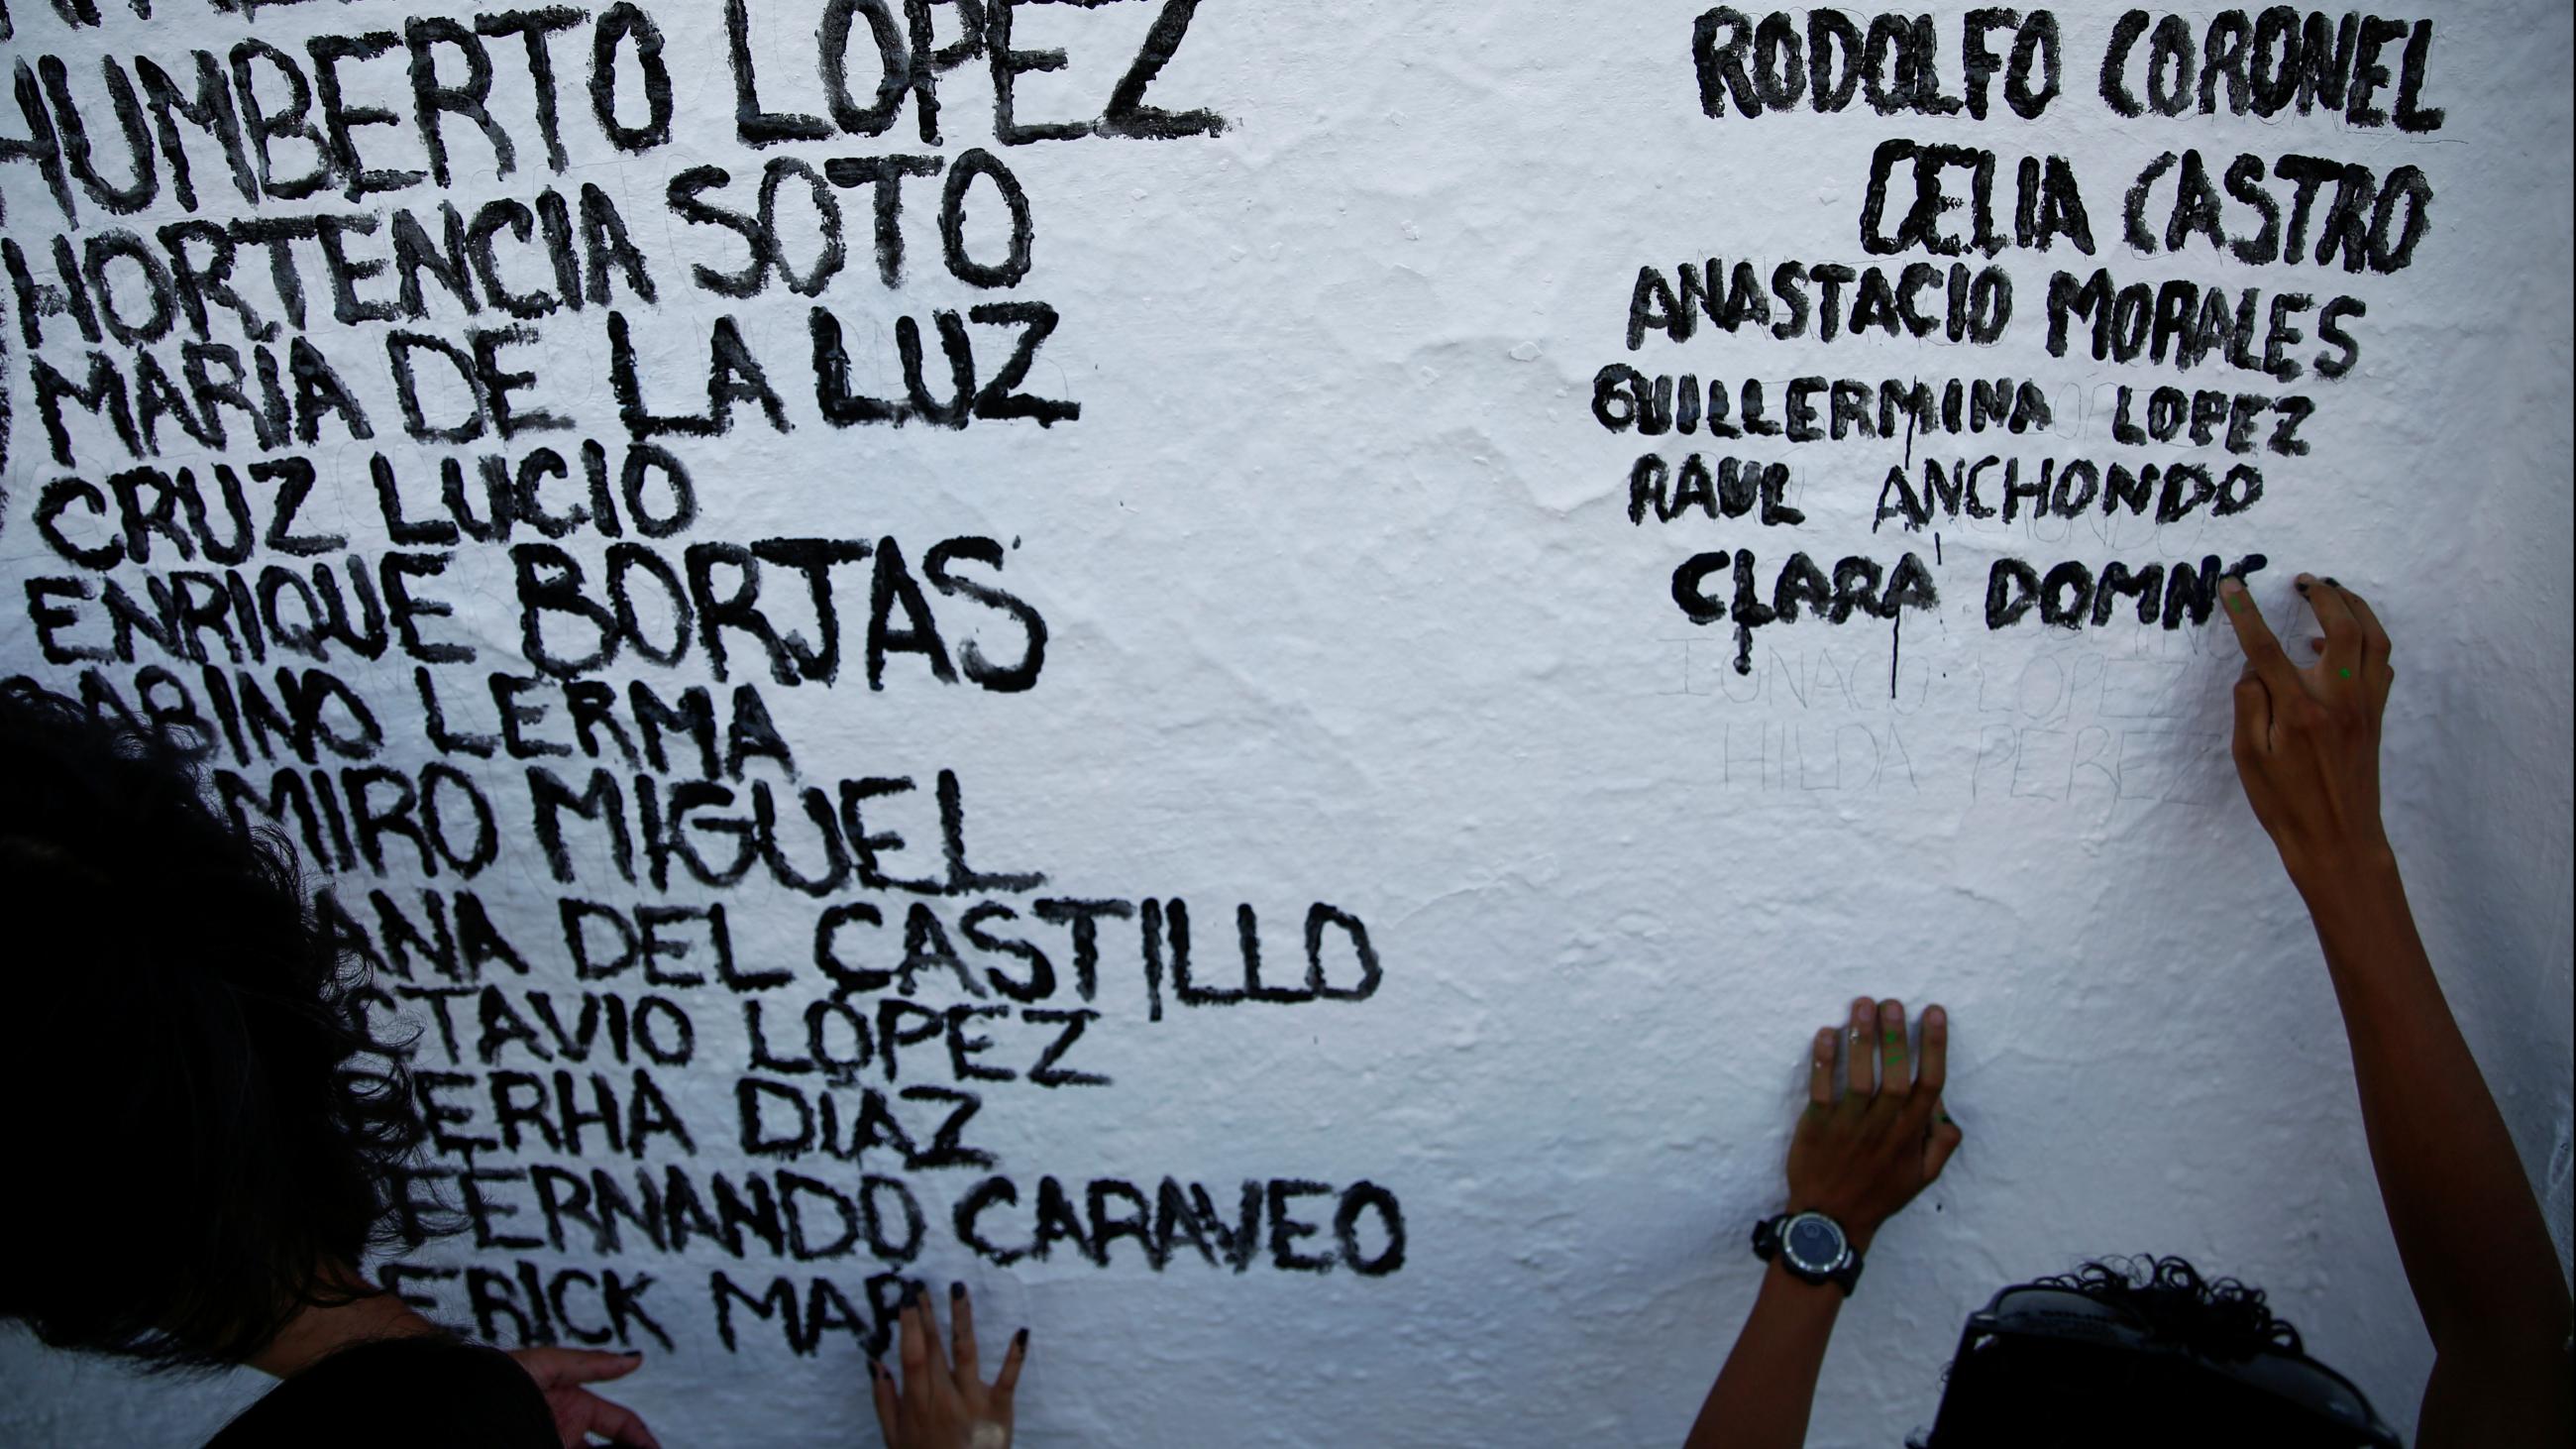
[
  {"x": 201, "y": 1128},
  {"x": 2223, "y": 1318},
  {"x": 2171, "y": 1367}
]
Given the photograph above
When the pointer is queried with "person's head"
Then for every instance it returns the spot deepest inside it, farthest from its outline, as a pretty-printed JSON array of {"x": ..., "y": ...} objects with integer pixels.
[
  {"x": 198, "y": 1129},
  {"x": 2140, "y": 1353}
]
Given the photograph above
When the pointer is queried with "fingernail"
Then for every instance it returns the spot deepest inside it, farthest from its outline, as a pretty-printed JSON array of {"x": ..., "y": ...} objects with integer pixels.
[
  {"x": 956, "y": 1291},
  {"x": 1021, "y": 1338},
  {"x": 1934, "y": 1016},
  {"x": 2303, "y": 583},
  {"x": 631, "y": 1353},
  {"x": 2333, "y": 584}
]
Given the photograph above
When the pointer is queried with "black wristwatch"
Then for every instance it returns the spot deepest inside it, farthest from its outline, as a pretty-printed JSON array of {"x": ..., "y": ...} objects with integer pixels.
[{"x": 1810, "y": 1245}]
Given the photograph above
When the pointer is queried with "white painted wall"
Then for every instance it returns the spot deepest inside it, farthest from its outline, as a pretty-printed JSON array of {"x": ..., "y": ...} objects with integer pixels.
[{"x": 1345, "y": 606}]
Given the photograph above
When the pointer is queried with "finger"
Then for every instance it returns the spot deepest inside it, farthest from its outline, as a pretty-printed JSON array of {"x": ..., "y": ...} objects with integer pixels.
[
  {"x": 916, "y": 1358},
  {"x": 1895, "y": 1071},
  {"x": 2253, "y": 717},
  {"x": 943, "y": 1380},
  {"x": 1859, "y": 1077},
  {"x": 2375, "y": 648},
  {"x": 881, "y": 1388},
  {"x": 1010, "y": 1376},
  {"x": 961, "y": 1335},
  {"x": 2262, "y": 651},
  {"x": 1932, "y": 1069},
  {"x": 2342, "y": 629},
  {"x": 1820, "y": 1068},
  {"x": 2375, "y": 645},
  {"x": 554, "y": 1367},
  {"x": 1945, "y": 1139},
  {"x": 619, "y": 1423}
]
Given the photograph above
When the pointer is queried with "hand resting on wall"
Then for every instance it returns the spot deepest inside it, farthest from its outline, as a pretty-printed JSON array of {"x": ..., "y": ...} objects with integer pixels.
[{"x": 941, "y": 1401}]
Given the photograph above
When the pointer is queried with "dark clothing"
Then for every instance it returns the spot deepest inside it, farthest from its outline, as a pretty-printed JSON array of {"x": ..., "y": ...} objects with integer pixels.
[{"x": 401, "y": 1393}]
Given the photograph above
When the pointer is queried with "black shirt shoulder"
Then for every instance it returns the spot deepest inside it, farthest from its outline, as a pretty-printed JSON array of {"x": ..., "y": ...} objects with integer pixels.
[{"x": 401, "y": 1393}]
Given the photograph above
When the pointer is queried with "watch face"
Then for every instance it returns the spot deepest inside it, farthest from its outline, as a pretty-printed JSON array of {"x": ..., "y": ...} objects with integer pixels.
[{"x": 1814, "y": 1243}]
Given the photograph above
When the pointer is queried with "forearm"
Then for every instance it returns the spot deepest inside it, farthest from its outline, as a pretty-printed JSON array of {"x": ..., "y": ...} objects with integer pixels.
[
  {"x": 2469, "y": 1230},
  {"x": 1763, "y": 1395}
]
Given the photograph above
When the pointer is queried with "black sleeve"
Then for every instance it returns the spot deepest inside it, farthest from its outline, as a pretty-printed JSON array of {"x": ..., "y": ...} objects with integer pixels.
[{"x": 401, "y": 1393}]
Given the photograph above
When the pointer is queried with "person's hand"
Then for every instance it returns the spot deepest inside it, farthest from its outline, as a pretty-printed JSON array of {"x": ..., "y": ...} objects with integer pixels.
[
  {"x": 1859, "y": 1156},
  {"x": 2307, "y": 739},
  {"x": 943, "y": 1401},
  {"x": 579, "y": 1413}
]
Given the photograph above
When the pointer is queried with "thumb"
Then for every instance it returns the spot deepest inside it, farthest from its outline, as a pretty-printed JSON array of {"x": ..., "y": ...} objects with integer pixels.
[{"x": 557, "y": 1367}]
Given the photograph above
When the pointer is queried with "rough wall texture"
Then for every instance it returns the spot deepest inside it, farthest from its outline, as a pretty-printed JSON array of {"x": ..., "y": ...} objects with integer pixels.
[{"x": 1360, "y": 611}]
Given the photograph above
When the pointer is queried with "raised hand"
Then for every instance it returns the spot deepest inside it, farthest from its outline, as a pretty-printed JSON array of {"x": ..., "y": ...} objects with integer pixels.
[
  {"x": 2307, "y": 738},
  {"x": 2469, "y": 1230}
]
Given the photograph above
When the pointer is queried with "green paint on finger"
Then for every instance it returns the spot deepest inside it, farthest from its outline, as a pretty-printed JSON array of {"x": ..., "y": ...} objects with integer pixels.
[{"x": 2346, "y": 673}]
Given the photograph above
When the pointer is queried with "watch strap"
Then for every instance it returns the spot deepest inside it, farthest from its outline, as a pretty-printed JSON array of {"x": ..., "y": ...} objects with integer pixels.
[{"x": 1766, "y": 1237}]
